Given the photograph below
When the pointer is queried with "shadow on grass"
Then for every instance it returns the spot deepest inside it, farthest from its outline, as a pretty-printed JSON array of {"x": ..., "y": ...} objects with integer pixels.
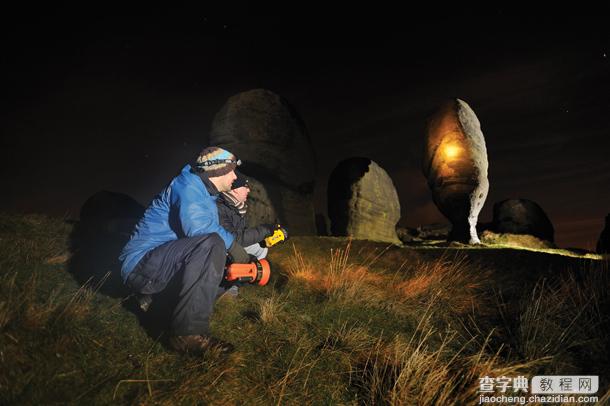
[
  {"x": 94, "y": 258},
  {"x": 106, "y": 222},
  {"x": 280, "y": 279}
]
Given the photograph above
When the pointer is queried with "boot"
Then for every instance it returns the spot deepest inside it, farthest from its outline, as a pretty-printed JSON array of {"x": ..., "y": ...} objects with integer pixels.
[{"x": 144, "y": 301}]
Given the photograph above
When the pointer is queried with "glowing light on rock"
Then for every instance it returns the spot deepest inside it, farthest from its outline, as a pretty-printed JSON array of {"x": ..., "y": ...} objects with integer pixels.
[{"x": 452, "y": 151}]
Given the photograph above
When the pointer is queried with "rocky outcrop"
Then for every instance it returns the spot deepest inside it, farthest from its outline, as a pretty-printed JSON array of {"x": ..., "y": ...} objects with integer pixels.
[
  {"x": 362, "y": 201},
  {"x": 455, "y": 165},
  {"x": 522, "y": 216},
  {"x": 428, "y": 232},
  {"x": 270, "y": 138},
  {"x": 515, "y": 240},
  {"x": 603, "y": 244}
]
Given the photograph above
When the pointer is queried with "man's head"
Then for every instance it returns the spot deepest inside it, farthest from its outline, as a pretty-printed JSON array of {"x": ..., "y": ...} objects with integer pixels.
[
  {"x": 240, "y": 188},
  {"x": 219, "y": 166}
]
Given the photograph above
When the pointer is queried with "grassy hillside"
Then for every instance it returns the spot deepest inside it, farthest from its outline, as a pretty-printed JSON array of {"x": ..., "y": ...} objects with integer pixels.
[{"x": 341, "y": 322}]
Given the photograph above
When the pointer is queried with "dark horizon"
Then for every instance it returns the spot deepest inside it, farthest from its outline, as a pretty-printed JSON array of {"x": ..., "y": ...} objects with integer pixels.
[{"x": 122, "y": 103}]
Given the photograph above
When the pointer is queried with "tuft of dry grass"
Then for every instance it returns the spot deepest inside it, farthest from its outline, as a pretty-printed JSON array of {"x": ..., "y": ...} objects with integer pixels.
[
  {"x": 344, "y": 281},
  {"x": 199, "y": 380},
  {"x": 299, "y": 267},
  {"x": 338, "y": 279},
  {"x": 453, "y": 280},
  {"x": 300, "y": 367},
  {"x": 271, "y": 308},
  {"x": 417, "y": 371},
  {"x": 349, "y": 337},
  {"x": 21, "y": 305},
  {"x": 568, "y": 315},
  {"x": 10, "y": 299},
  {"x": 79, "y": 304}
]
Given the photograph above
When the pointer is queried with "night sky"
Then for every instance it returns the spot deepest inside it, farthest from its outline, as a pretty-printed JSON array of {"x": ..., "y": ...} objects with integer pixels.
[{"x": 121, "y": 103}]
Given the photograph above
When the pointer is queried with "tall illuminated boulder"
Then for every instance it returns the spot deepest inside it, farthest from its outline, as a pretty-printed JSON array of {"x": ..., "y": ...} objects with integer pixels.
[
  {"x": 268, "y": 135},
  {"x": 455, "y": 164}
]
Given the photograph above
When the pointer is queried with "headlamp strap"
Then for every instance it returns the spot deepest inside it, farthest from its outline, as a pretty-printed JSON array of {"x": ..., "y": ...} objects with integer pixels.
[{"x": 218, "y": 161}]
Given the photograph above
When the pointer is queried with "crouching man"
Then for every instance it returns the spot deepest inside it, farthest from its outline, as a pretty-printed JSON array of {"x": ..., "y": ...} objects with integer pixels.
[{"x": 180, "y": 238}]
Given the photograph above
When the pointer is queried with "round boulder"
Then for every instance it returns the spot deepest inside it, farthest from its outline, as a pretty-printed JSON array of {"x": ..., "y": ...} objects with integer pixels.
[
  {"x": 522, "y": 216},
  {"x": 455, "y": 165},
  {"x": 362, "y": 201},
  {"x": 267, "y": 134},
  {"x": 110, "y": 212}
]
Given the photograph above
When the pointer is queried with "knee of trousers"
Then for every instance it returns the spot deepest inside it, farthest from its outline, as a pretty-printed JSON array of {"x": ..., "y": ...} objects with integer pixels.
[
  {"x": 217, "y": 247},
  {"x": 216, "y": 250}
]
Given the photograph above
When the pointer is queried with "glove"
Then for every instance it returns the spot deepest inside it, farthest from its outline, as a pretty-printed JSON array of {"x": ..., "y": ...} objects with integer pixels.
[
  {"x": 238, "y": 254},
  {"x": 279, "y": 234},
  {"x": 269, "y": 228}
]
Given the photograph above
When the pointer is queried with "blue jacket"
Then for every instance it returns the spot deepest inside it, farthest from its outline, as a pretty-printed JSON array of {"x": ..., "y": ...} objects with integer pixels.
[{"x": 184, "y": 208}]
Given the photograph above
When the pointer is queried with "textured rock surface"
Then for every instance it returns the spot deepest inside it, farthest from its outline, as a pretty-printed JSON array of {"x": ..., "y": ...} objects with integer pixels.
[
  {"x": 455, "y": 165},
  {"x": 270, "y": 138},
  {"x": 430, "y": 232},
  {"x": 522, "y": 216},
  {"x": 603, "y": 244},
  {"x": 515, "y": 240},
  {"x": 362, "y": 201},
  {"x": 260, "y": 208}
]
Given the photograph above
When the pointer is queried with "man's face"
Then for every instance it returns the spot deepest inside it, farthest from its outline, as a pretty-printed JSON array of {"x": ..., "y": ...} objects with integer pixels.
[
  {"x": 223, "y": 183},
  {"x": 241, "y": 193}
]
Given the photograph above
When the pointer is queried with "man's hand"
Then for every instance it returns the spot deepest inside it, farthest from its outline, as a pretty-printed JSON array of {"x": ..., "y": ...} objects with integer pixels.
[{"x": 238, "y": 254}]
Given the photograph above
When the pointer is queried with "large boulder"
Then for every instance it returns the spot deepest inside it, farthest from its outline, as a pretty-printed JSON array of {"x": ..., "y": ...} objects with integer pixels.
[
  {"x": 455, "y": 165},
  {"x": 267, "y": 134},
  {"x": 603, "y": 244},
  {"x": 362, "y": 201},
  {"x": 110, "y": 213},
  {"x": 522, "y": 216}
]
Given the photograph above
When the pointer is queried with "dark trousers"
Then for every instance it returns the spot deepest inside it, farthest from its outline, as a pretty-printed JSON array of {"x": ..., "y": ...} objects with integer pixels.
[{"x": 198, "y": 263}]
